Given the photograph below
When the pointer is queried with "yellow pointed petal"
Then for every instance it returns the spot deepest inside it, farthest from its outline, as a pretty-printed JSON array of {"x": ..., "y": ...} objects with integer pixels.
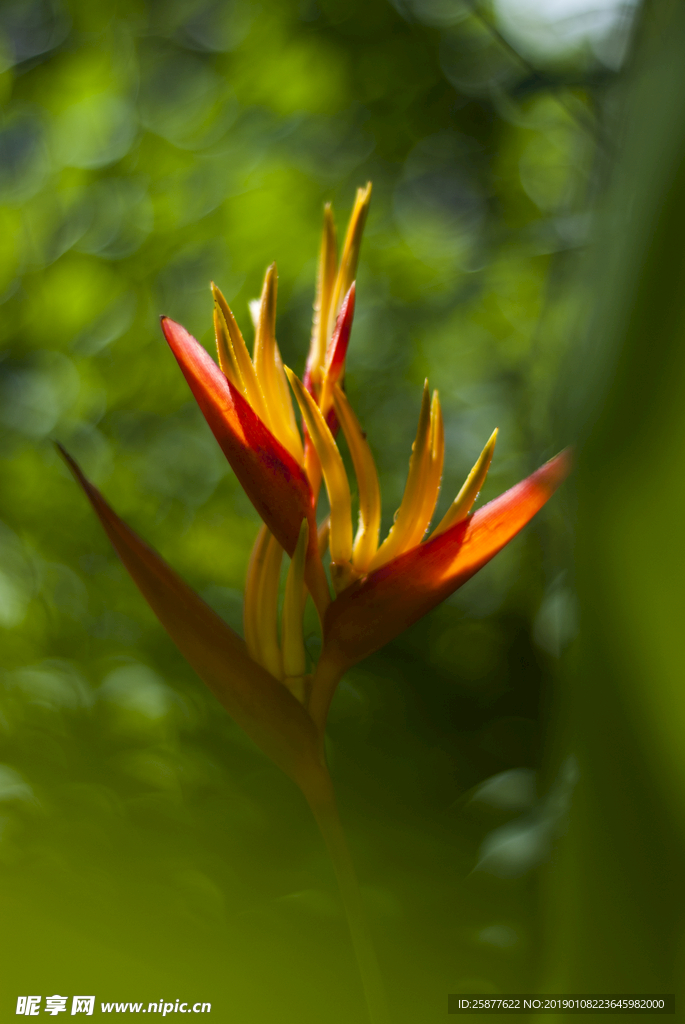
[
  {"x": 333, "y": 472},
  {"x": 347, "y": 271},
  {"x": 366, "y": 539},
  {"x": 265, "y": 337},
  {"x": 224, "y": 351},
  {"x": 334, "y": 366},
  {"x": 261, "y": 603},
  {"x": 409, "y": 527},
  {"x": 286, "y": 405},
  {"x": 238, "y": 355},
  {"x": 437, "y": 457},
  {"x": 269, "y": 370},
  {"x": 462, "y": 504},
  {"x": 325, "y": 284},
  {"x": 268, "y": 603},
  {"x": 294, "y": 655}
]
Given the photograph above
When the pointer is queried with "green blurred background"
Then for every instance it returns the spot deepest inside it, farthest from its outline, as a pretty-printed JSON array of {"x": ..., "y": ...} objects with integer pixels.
[{"x": 148, "y": 850}]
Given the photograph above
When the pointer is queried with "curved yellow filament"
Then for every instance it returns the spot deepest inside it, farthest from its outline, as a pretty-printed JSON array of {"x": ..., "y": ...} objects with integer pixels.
[
  {"x": 462, "y": 504},
  {"x": 366, "y": 539},
  {"x": 234, "y": 350},
  {"x": 292, "y": 639},
  {"x": 261, "y": 603},
  {"x": 409, "y": 526},
  {"x": 269, "y": 370},
  {"x": 340, "y": 540}
]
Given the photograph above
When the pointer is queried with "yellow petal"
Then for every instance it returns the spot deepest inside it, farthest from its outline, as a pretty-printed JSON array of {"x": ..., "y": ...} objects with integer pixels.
[
  {"x": 224, "y": 351},
  {"x": 269, "y": 369},
  {"x": 238, "y": 356},
  {"x": 294, "y": 655},
  {"x": 347, "y": 271},
  {"x": 462, "y": 504},
  {"x": 324, "y": 294},
  {"x": 334, "y": 366},
  {"x": 340, "y": 540},
  {"x": 261, "y": 603},
  {"x": 366, "y": 539},
  {"x": 409, "y": 526},
  {"x": 437, "y": 457},
  {"x": 286, "y": 405}
]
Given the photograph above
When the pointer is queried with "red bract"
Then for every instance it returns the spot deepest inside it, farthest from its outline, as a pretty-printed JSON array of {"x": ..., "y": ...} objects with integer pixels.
[
  {"x": 259, "y": 704},
  {"x": 269, "y": 475}
]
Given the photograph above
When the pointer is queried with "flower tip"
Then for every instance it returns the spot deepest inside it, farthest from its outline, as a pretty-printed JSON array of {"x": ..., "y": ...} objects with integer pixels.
[
  {"x": 74, "y": 467},
  {"x": 170, "y": 326},
  {"x": 558, "y": 468},
  {"x": 66, "y": 456},
  {"x": 171, "y": 330}
]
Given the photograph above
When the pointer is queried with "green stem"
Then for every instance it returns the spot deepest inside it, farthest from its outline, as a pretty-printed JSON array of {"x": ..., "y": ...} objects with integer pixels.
[{"x": 322, "y": 803}]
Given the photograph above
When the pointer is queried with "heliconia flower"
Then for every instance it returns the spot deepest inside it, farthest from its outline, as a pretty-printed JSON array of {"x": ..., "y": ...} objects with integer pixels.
[{"x": 379, "y": 588}]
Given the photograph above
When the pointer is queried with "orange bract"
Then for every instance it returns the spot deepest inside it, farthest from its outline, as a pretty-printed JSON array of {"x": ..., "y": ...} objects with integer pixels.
[{"x": 378, "y": 607}]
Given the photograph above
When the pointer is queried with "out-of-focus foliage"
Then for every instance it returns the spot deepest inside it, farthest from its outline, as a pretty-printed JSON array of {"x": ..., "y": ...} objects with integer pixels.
[
  {"x": 615, "y": 894},
  {"x": 147, "y": 147}
]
